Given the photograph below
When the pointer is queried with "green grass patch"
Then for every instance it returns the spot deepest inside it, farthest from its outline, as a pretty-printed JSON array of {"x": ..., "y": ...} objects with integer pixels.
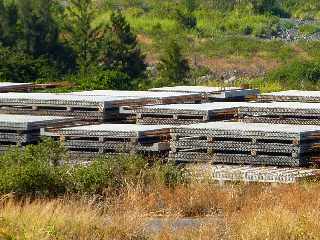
[{"x": 309, "y": 29}]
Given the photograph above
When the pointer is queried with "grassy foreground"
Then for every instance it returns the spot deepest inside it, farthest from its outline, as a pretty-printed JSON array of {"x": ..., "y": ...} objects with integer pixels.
[{"x": 226, "y": 212}]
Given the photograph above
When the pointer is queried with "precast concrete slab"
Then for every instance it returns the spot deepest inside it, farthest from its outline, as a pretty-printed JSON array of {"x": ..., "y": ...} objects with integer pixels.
[
  {"x": 10, "y": 86},
  {"x": 147, "y": 96},
  {"x": 190, "y": 89},
  {"x": 224, "y": 173},
  {"x": 116, "y": 138},
  {"x": 178, "y": 114},
  {"x": 115, "y": 130},
  {"x": 72, "y": 100},
  {"x": 247, "y": 129},
  {"x": 214, "y": 93},
  {"x": 245, "y": 143},
  {"x": 29, "y": 122},
  {"x": 85, "y": 107},
  {"x": 281, "y": 112},
  {"x": 291, "y": 96}
]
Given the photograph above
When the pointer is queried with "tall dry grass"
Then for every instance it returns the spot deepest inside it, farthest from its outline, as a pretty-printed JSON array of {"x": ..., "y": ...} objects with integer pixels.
[{"x": 222, "y": 212}]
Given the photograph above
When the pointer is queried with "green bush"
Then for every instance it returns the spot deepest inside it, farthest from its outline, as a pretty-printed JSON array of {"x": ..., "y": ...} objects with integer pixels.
[
  {"x": 32, "y": 178},
  {"x": 37, "y": 170},
  {"x": 102, "y": 79},
  {"x": 309, "y": 29},
  {"x": 107, "y": 173},
  {"x": 33, "y": 171},
  {"x": 166, "y": 174},
  {"x": 297, "y": 73}
]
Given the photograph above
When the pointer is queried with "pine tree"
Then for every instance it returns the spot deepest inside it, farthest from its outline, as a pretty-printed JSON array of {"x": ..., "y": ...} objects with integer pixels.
[
  {"x": 8, "y": 22},
  {"x": 121, "y": 51},
  {"x": 80, "y": 35},
  {"x": 39, "y": 32},
  {"x": 173, "y": 67}
]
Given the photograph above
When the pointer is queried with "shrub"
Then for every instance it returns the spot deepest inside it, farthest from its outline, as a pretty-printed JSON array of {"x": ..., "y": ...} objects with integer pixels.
[
  {"x": 32, "y": 178},
  {"x": 33, "y": 171},
  {"x": 102, "y": 79},
  {"x": 107, "y": 173},
  {"x": 309, "y": 29},
  {"x": 37, "y": 171},
  {"x": 166, "y": 174},
  {"x": 297, "y": 73}
]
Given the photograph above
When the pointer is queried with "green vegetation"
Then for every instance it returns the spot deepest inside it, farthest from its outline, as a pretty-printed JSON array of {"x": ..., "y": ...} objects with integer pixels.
[
  {"x": 309, "y": 29},
  {"x": 94, "y": 45},
  {"x": 44, "y": 170}
]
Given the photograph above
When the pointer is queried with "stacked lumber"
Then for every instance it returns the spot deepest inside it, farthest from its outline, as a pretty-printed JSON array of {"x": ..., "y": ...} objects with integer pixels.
[
  {"x": 267, "y": 174},
  {"x": 15, "y": 87},
  {"x": 89, "y": 141},
  {"x": 281, "y": 113},
  {"x": 150, "y": 97},
  {"x": 214, "y": 94},
  {"x": 245, "y": 143},
  {"x": 291, "y": 96},
  {"x": 179, "y": 114},
  {"x": 20, "y": 130},
  {"x": 103, "y": 108}
]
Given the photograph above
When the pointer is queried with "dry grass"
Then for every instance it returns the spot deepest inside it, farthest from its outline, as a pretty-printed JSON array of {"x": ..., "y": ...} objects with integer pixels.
[{"x": 223, "y": 212}]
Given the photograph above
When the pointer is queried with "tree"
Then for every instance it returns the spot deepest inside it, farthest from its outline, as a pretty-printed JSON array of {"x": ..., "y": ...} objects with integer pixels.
[
  {"x": 39, "y": 32},
  {"x": 120, "y": 51},
  {"x": 80, "y": 35},
  {"x": 8, "y": 22},
  {"x": 190, "y": 5},
  {"x": 16, "y": 66},
  {"x": 173, "y": 67},
  {"x": 185, "y": 16},
  {"x": 29, "y": 42}
]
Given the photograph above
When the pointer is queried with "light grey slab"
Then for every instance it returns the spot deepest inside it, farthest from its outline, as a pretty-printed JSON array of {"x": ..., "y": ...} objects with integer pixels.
[
  {"x": 222, "y": 172},
  {"x": 140, "y": 94},
  {"x": 211, "y": 92},
  {"x": 13, "y": 85},
  {"x": 64, "y": 99},
  {"x": 283, "y": 105},
  {"x": 294, "y": 93},
  {"x": 29, "y": 121},
  {"x": 199, "y": 107},
  {"x": 197, "y": 89},
  {"x": 261, "y": 127},
  {"x": 113, "y": 130}
]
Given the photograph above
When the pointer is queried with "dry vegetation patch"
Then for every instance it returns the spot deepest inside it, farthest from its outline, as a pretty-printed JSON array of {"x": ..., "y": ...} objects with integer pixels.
[{"x": 190, "y": 211}]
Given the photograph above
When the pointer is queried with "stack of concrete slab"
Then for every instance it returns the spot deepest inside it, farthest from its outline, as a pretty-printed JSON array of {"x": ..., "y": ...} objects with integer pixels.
[
  {"x": 85, "y": 142},
  {"x": 104, "y": 108},
  {"x": 224, "y": 173},
  {"x": 179, "y": 114},
  {"x": 214, "y": 94},
  {"x": 245, "y": 143},
  {"x": 291, "y": 96},
  {"x": 15, "y": 87},
  {"x": 20, "y": 130},
  {"x": 281, "y": 113},
  {"x": 151, "y": 97}
]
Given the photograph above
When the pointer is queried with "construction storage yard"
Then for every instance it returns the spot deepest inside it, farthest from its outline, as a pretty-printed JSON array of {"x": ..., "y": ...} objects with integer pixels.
[{"x": 239, "y": 134}]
